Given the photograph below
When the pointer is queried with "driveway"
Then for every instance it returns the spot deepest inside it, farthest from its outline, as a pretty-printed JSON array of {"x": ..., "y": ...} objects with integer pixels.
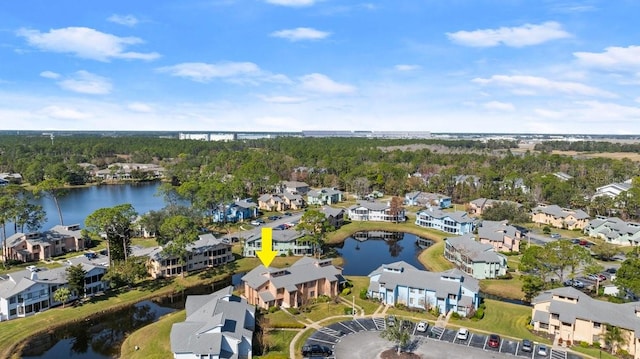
[{"x": 370, "y": 345}]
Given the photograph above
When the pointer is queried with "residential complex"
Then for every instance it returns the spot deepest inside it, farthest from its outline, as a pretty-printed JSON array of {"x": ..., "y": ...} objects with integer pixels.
[
  {"x": 457, "y": 222},
  {"x": 474, "y": 258},
  {"x": 573, "y": 316},
  {"x": 29, "y": 292},
  {"x": 426, "y": 199},
  {"x": 402, "y": 283},
  {"x": 614, "y": 230},
  {"x": 500, "y": 235},
  {"x": 306, "y": 279},
  {"x": 324, "y": 196},
  {"x": 285, "y": 242},
  {"x": 479, "y": 205},
  {"x": 218, "y": 325},
  {"x": 376, "y": 211},
  {"x": 28, "y": 247},
  {"x": 206, "y": 252},
  {"x": 558, "y": 217}
]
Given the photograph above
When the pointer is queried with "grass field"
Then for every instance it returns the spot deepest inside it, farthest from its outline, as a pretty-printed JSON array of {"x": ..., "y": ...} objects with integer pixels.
[{"x": 151, "y": 339}]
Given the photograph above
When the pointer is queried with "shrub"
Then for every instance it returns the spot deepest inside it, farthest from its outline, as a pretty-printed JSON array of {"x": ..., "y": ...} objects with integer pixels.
[
  {"x": 559, "y": 341},
  {"x": 596, "y": 345},
  {"x": 546, "y": 230},
  {"x": 293, "y": 311},
  {"x": 348, "y": 311},
  {"x": 363, "y": 293},
  {"x": 273, "y": 309},
  {"x": 584, "y": 344},
  {"x": 568, "y": 343},
  {"x": 455, "y": 315},
  {"x": 346, "y": 291}
]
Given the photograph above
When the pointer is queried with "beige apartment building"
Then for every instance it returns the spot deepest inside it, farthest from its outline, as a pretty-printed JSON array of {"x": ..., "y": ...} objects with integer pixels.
[
  {"x": 292, "y": 287},
  {"x": 558, "y": 217},
  {"x": 571, "y": 315}
]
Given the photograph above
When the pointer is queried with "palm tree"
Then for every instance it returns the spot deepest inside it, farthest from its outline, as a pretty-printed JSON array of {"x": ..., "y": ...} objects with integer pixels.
[
  {"x": 614, "y": 337},
  {"x": 397, "y": 333}
]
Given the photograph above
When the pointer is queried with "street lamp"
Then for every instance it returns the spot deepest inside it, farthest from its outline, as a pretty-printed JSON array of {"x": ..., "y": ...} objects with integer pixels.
[{"x": 353, "y": 305}]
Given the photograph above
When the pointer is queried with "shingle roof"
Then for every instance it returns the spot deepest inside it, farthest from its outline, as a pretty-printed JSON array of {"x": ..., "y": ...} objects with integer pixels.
[
  {"x": 477, "y": 251},
  {"x": 221, "y": 312},
  {"x": 306, "y": 269}
]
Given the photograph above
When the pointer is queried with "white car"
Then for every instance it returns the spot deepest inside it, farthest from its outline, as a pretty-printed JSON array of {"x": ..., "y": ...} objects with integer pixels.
[
  {"x": 422, "y": 327},
  {"x": 463, "y": 334},
  {"x": 542, "y": 350}
]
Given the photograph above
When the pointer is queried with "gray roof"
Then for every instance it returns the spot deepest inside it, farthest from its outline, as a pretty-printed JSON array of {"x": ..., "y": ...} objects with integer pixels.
[
  {"x": 372, "y": 206},
  {"x": 458, "y": 216},
  {"x": 294, "y": 184},
  {"x": 620, "y": 315},
  {"x": 46, "y": 237},
  {"x": 306, "y": 269},
  {"x": 495, "y": 231},
  {"x": 211, "y": 318},
  {"x": 285, "y": 235},
  {"x": 203, "y": 243},
  {"x": 487, "y": 202},
  {"x": 614, "y": 227},
  {"x": 16, "y": 282},
  {"x": 477, "y": 251},
  {"x": 330, "y": 211},
  {"x": 326, "y": 191},
  {"x": 559, "y": 212},
  {"x": 403, "y": 274}
]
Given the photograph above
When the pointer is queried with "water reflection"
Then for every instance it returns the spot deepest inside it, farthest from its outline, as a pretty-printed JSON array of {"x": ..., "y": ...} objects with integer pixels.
[{"x": 365, "y": 251}]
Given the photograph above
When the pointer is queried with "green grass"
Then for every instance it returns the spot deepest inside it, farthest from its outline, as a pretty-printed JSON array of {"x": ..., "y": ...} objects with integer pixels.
[
  {"x": 280, "y": 319},
  {"x": 432, "y": 258},
  {"x": 360, "y": 283},
  {"x": 144, "y": 242},
  {"x": 502, "y": 318},
  {"x": 594, "y": 353},
  {"x": 278, "y": 344},
  {"x": 153, "y": 339},
  {"x": 505, "y": 288},
  {"x": 323, "y": 310}
]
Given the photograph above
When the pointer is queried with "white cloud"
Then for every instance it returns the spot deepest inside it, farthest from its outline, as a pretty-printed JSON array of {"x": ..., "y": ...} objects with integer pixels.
[
  {"x": 140, "y": 107},
  {"x": 613, "y": 58},
  {"x": 525, "y": 35},
  {"x": 204, "y": 72},
  {"x": 637, "y": 99},
  {"x": 523, "y": 84},
  {"x": 301, "y": 33},
  {"x": 85, "y": 43},
  {"x": 283, "y": 99},
  {"x": 292, "y": 3},
  {"x": 63, "y": 113},
  {"x": 499, "y": 106},
  {"x": 126, "y": 20},
  {"x": 87, "y": 83},
  {"x": 404, "y": 67},
  {"x": 50, "y": 75},
  {"x": 321, "y": 83}
]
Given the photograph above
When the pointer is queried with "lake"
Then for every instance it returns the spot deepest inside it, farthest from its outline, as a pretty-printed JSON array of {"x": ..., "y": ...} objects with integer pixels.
[
  {"x": 365, "y": 251},
  {"x": 78, "y": 203}
]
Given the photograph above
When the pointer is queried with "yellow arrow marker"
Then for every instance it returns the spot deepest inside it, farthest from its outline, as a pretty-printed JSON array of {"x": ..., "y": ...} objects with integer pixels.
[{"x": 267, "y": 254}]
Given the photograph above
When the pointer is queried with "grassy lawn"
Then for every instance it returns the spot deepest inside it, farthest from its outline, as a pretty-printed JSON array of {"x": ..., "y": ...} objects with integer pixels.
[
  {"x": 153, "y": 339},
  {"x": 360, "y": 283},
  {"x": 506, "y": 288},
  {"x": 433, "y": 258},
  {"x": 418, "y": 316},
  {"x": 278, "y": 344},
  {"x": 144, "y": 242},
  {"x": 594, "y": 353},
  {"x": 280, "y": 319},
  {"x": 502, "y": 318},
  {"x": 324, "y": 310}
]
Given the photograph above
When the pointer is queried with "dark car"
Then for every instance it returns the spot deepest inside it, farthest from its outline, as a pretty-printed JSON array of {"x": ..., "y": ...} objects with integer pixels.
[
  {"x": 527, "y": 345},
  {"x": 287, "y": 214},
  {"x": 611, "y": 270},
  {"x": 494, "y": 341},
  {"x": 315, "y": 350}
]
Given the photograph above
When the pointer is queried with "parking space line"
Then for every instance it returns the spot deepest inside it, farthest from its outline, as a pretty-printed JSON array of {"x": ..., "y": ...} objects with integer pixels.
[
  {"x": 470, "y": 339},
  {"x": 355, "y": 320},
  {"x": 500, "y": 347},
  {"x": 352, "y": 331}
]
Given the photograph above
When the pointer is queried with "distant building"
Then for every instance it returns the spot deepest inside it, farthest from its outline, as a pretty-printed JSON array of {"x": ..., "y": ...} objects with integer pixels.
[
  {"x": 294, "y": 187},
  {"x": 614, "y": 230},
  {"x": 27, "y": 247},
  {"x": 376, "y": 211},
  {"x": 613, "y": 190},
  {"x": 324, "y": 196},
  {"x": 238, "y": 211},
  {"x": 206, "y": 252},
  {"x": 457, "y": 222},
  {"x": 285, "y": 242},
  {"x": 208, "y": 136},
  {"x": 427, "y": 199},
  {"x": 558, "y": 217},
  {"x": 500, "y": 235},
  {"x": 218, "y": 325},
  {"x": 563, "y": 176},
  {"x": 479, "y": 205}
]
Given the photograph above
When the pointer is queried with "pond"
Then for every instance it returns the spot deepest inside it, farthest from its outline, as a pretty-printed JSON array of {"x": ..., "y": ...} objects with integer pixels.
[
  {"x": 363, "y": 252},
  {"x": 101, "y": 337}
]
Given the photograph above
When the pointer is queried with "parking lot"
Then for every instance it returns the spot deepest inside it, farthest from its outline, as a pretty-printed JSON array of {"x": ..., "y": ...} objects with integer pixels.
[{"x": 334, "y": 335}]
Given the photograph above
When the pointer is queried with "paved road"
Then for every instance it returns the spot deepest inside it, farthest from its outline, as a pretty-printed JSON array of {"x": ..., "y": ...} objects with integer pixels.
[{"x": 370, "y": 345}]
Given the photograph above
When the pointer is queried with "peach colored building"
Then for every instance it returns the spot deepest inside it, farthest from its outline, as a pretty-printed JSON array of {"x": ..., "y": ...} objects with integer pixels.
[
  {"x": 27, "y": 247},
  {"x": 479, "y": 205},
  {"x": 499, "y": 234},
  {"x": 571, "y": 315},
  {"x": 558, "y": 217},
  {"x": 291, "y": 287}
]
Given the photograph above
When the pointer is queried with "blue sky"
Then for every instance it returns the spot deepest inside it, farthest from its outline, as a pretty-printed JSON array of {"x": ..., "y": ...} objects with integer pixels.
[{"x": 289, "y": 65}]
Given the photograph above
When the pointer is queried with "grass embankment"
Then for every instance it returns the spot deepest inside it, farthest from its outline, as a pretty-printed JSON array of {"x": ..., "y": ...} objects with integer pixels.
[{"x": 150, "y": 339}]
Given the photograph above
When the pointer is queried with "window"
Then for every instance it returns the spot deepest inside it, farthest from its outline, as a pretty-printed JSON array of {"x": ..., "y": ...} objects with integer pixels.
[
  {"x": 596, "y": 325},
  {"x": 555, "y": 316},
  {"x": 544, "y": 326},
  {"x": 12, "y": 300}
]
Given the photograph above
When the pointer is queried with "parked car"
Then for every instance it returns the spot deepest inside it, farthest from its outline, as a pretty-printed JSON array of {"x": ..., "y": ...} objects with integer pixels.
[
  {"x": 542, "y": 350},
  {"x": 577, "y": 284},
  {"x": 274, "y": 218},
  {"x": 527, "y": 345},
  {"x": 555, "y": 235},
  {"x": 391, "y": 321},
  {"x": 288, "y": 214},
  {"x": 315, "y": 350},
  {"x": 593, "y": 277},
  {"x": 575, "y": 241},
  {"x": 463, "y": 334},
  {"x": 257, "y": 222},
  {"x": 422, "y": 327},
  {"x": 494, "y": 341},
  {"x": 611, "y": 270},
  {"x": 602, "y": 277},
  {"x": 568, "y": 282},
  {"x": 33, "y": 269}
]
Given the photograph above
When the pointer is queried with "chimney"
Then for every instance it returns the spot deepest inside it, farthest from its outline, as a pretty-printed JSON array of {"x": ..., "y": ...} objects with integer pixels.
[{"x": 34, "y": 276}]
